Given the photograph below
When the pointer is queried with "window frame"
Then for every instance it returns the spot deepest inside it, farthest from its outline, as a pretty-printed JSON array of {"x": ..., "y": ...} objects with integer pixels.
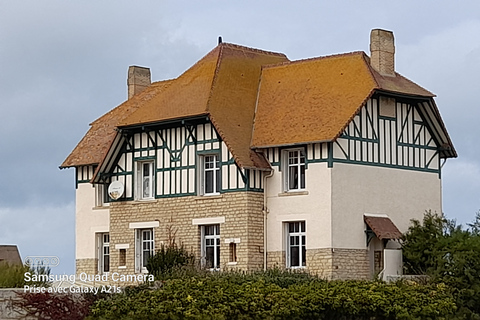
[
  {"x": 286, "y": 167},
  {"x": 140, "y": 241},
  {"x": 215, "y": 243},
  {"x": 202, "y": 179},
  {"x": 301, "y": 233},
  {"x": 140, "y": 170},
  {"x": 103, "y": 253}
]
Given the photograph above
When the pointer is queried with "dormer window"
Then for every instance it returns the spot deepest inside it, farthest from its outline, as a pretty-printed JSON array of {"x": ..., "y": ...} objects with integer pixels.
[{"x": 294, "y": 170}]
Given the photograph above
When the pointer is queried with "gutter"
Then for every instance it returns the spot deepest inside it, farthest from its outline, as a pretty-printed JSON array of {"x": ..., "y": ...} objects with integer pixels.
[{"x": 265, "y": 213}]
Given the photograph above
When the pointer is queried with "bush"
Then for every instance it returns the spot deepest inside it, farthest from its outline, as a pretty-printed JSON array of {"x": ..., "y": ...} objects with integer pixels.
[
  {"x": 13, "y": 276},
  {"x": 277, "y": 295},
  {"x": 169, "y": 261}
]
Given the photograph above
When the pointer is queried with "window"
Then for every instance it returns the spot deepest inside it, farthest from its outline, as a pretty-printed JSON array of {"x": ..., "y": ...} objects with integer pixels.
[
  {"x": 210, "y": 175},
  {"x": 296, "y": 244},
  {"x": 144, "y": 247},
  {"x": 145, "y": 180},
  {"x": 233, "y": 252},
  {"x": 99, "y": 194},
  {"x": 122, "y": 260},
  {"x": 294, "y": 170},
  {"x": 211, "y": 246},
  {"x": 103, "y": 247}
]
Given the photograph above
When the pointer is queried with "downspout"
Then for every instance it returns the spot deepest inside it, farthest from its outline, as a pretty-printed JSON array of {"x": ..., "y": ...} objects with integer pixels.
[{"x": 265, "y": 213}]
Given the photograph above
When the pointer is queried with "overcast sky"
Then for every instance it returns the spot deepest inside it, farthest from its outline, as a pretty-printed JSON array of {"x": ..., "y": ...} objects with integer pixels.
[{"x": 64, "y": 63}]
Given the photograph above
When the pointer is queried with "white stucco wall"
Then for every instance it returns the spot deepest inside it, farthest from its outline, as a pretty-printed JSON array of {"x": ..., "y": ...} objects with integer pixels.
[
  {"x": 358, "y": 189},
  {"x": 88, "y": 221},
  {"x": 314, "y": 208}
]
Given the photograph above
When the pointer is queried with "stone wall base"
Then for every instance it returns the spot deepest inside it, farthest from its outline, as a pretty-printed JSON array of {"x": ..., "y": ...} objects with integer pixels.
[
  {"x": 328, "y": 263},
  {"x": 89, "y": 266}
]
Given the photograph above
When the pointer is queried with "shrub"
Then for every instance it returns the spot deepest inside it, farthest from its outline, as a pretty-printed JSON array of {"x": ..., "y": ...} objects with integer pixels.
[
  {"x": 169, "y": 261},
  {"x": 13, "y": 275},
  {"x": 268, "y": 296}
]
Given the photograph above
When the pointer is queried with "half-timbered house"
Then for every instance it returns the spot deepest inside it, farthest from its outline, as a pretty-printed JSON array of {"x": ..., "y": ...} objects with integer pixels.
[{"x": 252, "y": 161}]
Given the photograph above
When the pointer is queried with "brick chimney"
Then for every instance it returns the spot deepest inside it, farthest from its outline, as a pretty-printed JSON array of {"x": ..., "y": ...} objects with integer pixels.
[
  {"x": 382, "y": 52},
  {"x": 139, "y": 78}
]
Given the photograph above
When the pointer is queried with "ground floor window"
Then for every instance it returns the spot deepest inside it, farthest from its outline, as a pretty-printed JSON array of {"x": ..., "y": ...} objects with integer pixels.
[
  {"x": 103, "y": 248},
  {"x": 211, "y": 246},
  {"x": 144, "y": 248},
  {"x": 296, "y": 244}
]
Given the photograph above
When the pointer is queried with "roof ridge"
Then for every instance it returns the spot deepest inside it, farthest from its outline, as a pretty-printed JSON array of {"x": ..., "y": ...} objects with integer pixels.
[
  {"x": 313, "y": 59},
  {"x": 261, "y": 51}
]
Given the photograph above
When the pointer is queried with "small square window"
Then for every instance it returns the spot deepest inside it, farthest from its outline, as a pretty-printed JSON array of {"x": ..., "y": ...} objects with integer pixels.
[
  {"x": 122, "y": 259},
  {"x": 233, "y": 252}
]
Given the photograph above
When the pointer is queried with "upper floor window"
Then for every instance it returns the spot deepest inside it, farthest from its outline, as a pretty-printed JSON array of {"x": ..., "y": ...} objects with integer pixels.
[
  {"x": 294, "y": 170},
  {"x": 145, "y": 180},
  {"x": 209, "y": 174}
]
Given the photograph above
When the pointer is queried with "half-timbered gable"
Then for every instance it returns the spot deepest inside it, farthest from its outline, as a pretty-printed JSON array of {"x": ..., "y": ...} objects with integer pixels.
[
  {"x": 186, "y": 157},
  {"x": 254, "y": 161},
  {"x": 389, "y": 132}
]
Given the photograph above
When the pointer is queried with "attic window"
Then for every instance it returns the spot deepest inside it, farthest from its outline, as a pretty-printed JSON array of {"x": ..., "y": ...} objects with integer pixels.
[{"x": 387, "y": 107}]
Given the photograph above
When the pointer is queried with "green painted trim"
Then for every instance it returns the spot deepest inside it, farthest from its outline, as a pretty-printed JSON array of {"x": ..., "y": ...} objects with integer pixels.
[
  {"x": 375, "y": 164},
  {"x": 144, "y": 158}
]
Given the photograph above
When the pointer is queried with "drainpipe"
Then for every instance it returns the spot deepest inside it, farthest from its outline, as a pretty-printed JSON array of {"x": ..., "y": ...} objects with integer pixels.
[{"x": 265, "y": 212}]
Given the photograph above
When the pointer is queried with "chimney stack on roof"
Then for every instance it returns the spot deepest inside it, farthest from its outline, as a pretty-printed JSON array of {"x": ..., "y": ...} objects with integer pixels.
[
  {"x": 139, "y": 78},
  {"x": 382, "y": 51}
]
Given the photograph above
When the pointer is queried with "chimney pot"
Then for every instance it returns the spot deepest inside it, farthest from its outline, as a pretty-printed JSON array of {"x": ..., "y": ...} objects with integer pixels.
[
  {"x": 139, "y": 78},
  {"x": 382, "y": 51}
]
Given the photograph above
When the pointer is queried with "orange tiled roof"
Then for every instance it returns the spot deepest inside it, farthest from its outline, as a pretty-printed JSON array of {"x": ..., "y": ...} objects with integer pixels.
[
  {"x": 92, "y": 148},
  {"x": 222, "y": 85},
  {"x": 314, "y": 100},
  {"x": 297, "y": 102}
]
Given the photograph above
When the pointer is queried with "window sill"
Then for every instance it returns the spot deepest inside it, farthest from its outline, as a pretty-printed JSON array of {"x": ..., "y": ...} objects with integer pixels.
[
  {"x": 140, "y": 201},
  {"x": 209, "y": 196},
  {"x": 293, "y": 193},
  {"x": 122, "y": 267},
  {"x": 101, "y": 208},
  {"x": 232, "y": 263}
]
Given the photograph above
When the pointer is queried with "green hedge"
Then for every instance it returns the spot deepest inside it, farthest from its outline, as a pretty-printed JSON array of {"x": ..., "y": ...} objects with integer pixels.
[{"x": 281, "y": 296}]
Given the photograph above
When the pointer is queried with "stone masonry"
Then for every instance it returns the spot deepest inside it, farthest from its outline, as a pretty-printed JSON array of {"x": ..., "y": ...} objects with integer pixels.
[
  {"x": 243, "y": 220},
  {"x": 328, "y": 263}
]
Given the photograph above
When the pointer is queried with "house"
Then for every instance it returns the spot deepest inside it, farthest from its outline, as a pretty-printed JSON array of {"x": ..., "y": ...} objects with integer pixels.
[
  {"x": 9, "y": 254},
  {"x": 254, "y": 161}
]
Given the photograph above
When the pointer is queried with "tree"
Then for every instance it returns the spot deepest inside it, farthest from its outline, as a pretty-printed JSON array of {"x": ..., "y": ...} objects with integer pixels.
[{"x": 447, "y": 254}]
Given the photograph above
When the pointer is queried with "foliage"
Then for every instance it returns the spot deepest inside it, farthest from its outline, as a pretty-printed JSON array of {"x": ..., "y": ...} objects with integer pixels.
[
  {"x": 13, "y": 275},
  {"x": 55, "y": 306},
  {"x": 447, "y": 254},
  {"x": 277, "y": 295},
  {"x": 171, "y": 260}
]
